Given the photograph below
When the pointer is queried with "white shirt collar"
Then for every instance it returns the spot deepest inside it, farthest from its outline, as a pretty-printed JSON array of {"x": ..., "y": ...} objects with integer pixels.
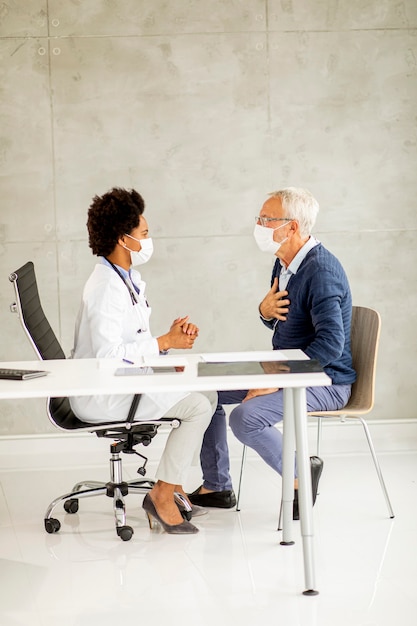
[{"x": 300, "y": 256}]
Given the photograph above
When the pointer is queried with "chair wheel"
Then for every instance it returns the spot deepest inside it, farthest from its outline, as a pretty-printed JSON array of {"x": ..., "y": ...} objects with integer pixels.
[
  {"x": 125, "y": 532},
  {"x": 52, "y": 525},
  {"x": 71, "y": 506}
]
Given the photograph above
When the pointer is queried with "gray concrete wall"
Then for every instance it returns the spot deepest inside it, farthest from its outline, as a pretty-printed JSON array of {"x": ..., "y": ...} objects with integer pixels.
[{"x": 205, "y": 107}]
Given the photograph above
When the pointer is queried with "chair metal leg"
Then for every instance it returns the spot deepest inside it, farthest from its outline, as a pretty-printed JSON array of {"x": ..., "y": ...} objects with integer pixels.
[
  {"x": 242, "y": 465},
  {"x": 145, "y": 485},
  {"x": 280, "y": 517},
  {"x": 88, "y": 484},
  {"x": 319, "y": 433},
  {"x": 377, "y": 466},
  {"x": 119, "y": 508},
  {"x": 87, "y": 493},
  {"x": 117, "y": 489}
]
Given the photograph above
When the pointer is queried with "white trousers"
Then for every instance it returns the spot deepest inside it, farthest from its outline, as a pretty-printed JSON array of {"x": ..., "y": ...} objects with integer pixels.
[{"x": 182, "y": 448}]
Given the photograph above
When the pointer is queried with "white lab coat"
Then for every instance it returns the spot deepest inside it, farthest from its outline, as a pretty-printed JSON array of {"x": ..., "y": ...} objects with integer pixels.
[{"x": 107, "y": 327}]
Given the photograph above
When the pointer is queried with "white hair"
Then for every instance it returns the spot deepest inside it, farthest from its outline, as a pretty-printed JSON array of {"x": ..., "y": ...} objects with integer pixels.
[{"x": 299, "y": 204}]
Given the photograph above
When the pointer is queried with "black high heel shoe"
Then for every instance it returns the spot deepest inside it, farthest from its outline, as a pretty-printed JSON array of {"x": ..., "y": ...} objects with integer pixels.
[
  {"x": 185, "y": 528},
  {"x": 316, "y": 465}
]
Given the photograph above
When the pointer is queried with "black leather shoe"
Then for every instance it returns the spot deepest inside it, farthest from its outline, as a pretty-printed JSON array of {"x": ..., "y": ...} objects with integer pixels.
[
  {"x": 316, "y": 465},
  {"x": 218, "y": 499}
]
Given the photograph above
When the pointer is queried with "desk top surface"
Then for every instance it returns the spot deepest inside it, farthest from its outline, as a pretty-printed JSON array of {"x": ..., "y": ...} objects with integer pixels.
[{"x": 85, "y": 377}]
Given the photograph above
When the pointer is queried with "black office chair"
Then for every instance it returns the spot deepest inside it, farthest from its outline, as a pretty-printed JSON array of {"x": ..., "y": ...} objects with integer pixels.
[{"x": 125, "y": 435}]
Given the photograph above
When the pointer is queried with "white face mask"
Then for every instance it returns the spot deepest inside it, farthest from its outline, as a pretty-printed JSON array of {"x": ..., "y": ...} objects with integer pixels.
[
  {"x": 144, "y": 254},
  {"x": 264, "y": 238}
]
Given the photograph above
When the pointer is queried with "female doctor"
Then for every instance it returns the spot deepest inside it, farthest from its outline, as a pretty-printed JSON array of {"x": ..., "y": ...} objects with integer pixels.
[{"x": 113, "y": 322}]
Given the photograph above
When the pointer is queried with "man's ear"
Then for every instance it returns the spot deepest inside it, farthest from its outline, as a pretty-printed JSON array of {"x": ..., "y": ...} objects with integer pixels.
[
  {"x": 295, "y": 226},
  {"x": 294, "y": 230}
]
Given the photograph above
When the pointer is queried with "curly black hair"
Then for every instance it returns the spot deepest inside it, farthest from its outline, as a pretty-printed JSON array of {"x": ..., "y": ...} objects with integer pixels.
[{"x": 111, "y": 216}]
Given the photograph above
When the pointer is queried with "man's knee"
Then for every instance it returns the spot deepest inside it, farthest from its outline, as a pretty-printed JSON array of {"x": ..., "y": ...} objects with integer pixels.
[{"x": 241, "y": 423}]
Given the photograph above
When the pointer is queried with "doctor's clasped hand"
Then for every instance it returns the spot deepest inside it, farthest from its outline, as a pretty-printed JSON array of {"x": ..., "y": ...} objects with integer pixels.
[{"x": 182, "y": 334}]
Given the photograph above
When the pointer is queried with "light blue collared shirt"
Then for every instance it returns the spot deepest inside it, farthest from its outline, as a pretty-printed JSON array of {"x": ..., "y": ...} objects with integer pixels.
[
  {"x": 125, "y": 273},
  {"x": 287, "y": 272}
]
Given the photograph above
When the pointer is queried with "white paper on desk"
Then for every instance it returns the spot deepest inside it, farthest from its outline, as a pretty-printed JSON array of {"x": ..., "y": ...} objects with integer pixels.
[{"x": 226, "y": 357}]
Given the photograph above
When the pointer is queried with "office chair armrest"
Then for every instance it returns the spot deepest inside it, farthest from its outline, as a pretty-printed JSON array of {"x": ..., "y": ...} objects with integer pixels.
[{"x": 133, "y": 409}]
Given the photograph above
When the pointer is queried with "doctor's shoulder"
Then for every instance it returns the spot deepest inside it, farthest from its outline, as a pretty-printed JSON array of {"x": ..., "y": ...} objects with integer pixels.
[{"x": 104, "y": 280}]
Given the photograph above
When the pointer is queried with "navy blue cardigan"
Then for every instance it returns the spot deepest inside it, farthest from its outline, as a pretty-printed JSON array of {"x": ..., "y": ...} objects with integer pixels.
[{"x": 319, "y": 317}]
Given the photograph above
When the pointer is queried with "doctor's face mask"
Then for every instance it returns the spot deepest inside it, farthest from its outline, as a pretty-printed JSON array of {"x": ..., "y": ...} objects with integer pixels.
[{"x": 144, "y": 254}]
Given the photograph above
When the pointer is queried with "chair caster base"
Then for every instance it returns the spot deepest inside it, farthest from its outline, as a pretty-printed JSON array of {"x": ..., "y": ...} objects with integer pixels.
[
  {"x": 52, "y": 525},
  {"x": 125, "y": 532},
  {"x": 71, "y": 506}
]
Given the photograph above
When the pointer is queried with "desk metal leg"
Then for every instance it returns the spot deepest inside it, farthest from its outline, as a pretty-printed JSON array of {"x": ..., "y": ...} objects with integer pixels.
[
  {"x": 288, "y": 449},
  {"x": 305, "y": 497}
]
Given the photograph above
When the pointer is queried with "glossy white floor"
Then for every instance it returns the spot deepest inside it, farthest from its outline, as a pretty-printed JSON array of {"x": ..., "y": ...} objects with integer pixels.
[{"x": 234, "y": 570}]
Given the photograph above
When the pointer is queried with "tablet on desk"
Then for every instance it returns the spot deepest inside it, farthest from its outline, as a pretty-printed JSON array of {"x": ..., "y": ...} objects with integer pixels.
[
  {"x": 248, "y": 368},
  {"x": 146, "y": 370},
  {"x": 14, "y": 374}
]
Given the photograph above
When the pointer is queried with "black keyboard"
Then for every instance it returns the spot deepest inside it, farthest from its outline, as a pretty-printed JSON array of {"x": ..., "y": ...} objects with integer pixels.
[{"x": 12, "y": 374}]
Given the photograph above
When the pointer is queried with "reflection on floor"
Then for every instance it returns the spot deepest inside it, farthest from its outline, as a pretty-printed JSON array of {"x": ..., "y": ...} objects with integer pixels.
[{"x": 233, "y": 571}]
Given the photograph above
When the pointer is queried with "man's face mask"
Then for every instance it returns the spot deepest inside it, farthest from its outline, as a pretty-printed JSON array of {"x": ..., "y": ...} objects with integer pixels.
[{"x": 264, "y": 238}]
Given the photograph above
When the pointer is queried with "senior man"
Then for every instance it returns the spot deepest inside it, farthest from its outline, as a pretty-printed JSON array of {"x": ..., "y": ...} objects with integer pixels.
[{"x": 309, "y": 307}]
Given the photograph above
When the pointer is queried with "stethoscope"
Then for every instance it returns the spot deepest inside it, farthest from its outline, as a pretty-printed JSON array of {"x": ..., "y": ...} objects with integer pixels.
[{"x": 132, "y": 294}]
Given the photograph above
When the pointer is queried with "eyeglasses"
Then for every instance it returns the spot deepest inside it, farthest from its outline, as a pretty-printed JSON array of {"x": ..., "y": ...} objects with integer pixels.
[{"x": 265, "y": 220}]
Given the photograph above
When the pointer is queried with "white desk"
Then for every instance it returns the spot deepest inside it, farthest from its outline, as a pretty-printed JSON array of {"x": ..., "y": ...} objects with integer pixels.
[{"x": 96, "y": 377}]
